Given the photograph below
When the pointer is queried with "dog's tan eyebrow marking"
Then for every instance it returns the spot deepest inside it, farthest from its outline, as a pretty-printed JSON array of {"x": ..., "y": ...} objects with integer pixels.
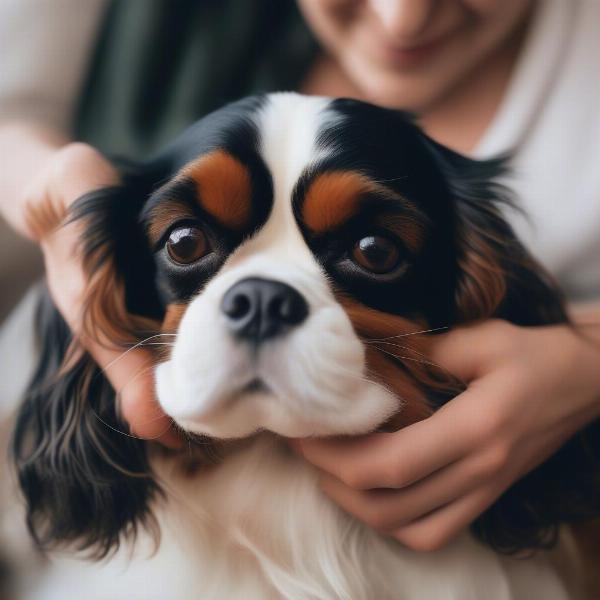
[
  {"x": 410, "y": 230},
  {"x": 332, "y": 199},
  {"x": 335, "y": 197},
  {"x": 223, "y": 188},
  {"x": 164, "y": 215}
]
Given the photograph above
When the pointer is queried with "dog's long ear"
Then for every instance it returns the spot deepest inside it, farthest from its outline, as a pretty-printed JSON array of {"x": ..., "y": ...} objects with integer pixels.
[
  {"x": 496, "y": 276},
  {"x": 121, "y": 303},
  {"x": 86, "y": 481}
]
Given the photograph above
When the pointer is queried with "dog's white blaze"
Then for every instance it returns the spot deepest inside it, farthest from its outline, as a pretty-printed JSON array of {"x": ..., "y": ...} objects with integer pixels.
[{"x": 288, "y": 126}]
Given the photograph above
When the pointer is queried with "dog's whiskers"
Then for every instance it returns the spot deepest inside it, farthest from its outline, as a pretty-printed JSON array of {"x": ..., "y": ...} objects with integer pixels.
[
  {"x": 139, "y": 344},
  {"x": 417, "y": 360},
  {"x": 426, "y": 361},
  {"x": 408, "y": 348},
  {"x": 124, "y": 433},
  {"x": 118, "y": 395},
  {"x": 401, "y": 335}
]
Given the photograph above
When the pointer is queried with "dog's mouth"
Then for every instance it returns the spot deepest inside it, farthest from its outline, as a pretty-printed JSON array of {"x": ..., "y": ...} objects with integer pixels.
[
  {"x": 254, "y": 387},
  {"x": 310, "y": 381}
]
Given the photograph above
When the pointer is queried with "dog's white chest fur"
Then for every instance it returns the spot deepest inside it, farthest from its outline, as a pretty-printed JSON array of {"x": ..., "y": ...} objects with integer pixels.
[{"x": 224, "y": 538}]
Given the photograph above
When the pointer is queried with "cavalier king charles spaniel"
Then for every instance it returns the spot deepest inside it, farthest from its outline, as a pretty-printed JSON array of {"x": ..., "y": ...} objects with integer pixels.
[{"x": 267, "y": 256}]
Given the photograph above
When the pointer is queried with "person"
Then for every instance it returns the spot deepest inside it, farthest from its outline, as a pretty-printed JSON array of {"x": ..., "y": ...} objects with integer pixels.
[{"x": 483, "y": 77}]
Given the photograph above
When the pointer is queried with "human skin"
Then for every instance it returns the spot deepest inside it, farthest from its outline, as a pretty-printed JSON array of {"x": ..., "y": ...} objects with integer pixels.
[{"x": 529, "y": 389}]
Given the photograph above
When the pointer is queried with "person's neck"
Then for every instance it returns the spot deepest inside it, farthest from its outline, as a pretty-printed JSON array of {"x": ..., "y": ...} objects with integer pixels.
[{"x": 462, "y": 117}]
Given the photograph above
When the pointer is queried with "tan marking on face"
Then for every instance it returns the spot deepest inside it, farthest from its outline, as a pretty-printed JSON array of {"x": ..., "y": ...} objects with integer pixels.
[
  {"x": 173, "y": 316},
  {"x": 397, "y": 356},
  {"x": 334, "y": 198},
  {"x": 224, "y": 189}
]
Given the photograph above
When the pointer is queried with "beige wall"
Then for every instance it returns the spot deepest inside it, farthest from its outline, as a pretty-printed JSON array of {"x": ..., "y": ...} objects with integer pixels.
[{"x": 20, "y": 266}]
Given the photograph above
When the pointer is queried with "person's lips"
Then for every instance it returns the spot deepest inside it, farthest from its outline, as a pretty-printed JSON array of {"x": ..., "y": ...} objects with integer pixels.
[{"x": 411, "y": 55}]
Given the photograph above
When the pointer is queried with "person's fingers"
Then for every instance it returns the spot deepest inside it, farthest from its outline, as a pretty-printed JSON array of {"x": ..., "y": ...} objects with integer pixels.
[
  {"x": 395, "y": 460},
  {"x": 74, "y": 170},
  {"x": 451, "y": 351},
  {"x": 390, "y": 460},
  {"x": 435, "y": 530},
  {"x": 467, "y": 352},
  {"x": 131, "y": 375},
  {"x": 147, "y": 420},
  {"x": 387, "y": 509}
]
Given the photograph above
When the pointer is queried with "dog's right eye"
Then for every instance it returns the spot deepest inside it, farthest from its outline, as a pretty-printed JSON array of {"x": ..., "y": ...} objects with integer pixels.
[
  {"x": 186, "y": 245},
  {"x": 376, "y": 253}
]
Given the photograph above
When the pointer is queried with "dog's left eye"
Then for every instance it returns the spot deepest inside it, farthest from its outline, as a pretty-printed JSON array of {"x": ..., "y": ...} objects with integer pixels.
[
  {"x": 376, "y": 253},
  {"x": 186, "y": 245}
]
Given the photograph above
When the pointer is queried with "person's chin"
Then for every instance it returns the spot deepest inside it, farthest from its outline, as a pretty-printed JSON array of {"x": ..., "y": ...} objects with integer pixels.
[{"x": 385, "y": 87}]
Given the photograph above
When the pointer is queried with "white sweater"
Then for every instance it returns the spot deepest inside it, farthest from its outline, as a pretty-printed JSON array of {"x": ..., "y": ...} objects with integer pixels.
[{"x": 550, "y": 120}]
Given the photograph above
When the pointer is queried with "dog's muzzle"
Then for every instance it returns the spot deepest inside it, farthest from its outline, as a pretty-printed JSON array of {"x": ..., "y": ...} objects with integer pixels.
[{"x": 258, "y": 309}]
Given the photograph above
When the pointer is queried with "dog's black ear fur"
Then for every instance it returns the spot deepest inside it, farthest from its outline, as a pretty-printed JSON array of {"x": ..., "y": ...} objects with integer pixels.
[
  {"x": 85, "y": 480},
  {"x": 121, "y": 303},
  {"x": 497, "y": 278}
]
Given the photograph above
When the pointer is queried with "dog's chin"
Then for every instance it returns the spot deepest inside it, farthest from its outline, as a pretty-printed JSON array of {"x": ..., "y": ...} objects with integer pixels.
[{"x": 258, "y": 405}]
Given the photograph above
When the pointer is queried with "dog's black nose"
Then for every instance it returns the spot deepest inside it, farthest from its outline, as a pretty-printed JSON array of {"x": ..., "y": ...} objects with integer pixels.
[{"x": 257, "y": 309}]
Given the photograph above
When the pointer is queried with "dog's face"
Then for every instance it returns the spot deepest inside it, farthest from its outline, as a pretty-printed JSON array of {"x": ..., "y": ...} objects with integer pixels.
[
  {"x": 299, "y": 217},
  {"x": 291, "y": 251}
]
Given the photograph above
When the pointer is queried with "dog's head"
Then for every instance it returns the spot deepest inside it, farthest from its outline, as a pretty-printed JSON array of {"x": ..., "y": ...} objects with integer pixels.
[
  {"x": 285, "y": 234},
  {"x": 288, "y": 250},
  {"x": 289, "y": 231}
]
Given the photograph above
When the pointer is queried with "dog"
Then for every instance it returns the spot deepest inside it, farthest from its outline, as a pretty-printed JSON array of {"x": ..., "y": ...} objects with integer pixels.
[{"x": 267, "y": 252}]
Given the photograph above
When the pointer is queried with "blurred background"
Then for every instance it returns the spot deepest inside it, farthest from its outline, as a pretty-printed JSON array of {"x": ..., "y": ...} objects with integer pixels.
[{"x": 20, "y": 266}]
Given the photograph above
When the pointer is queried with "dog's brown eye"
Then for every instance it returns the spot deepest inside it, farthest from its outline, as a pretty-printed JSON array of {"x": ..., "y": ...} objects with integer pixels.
[
  {"x": 376, "y": 253},
  {"x": 186, "y": 245}
]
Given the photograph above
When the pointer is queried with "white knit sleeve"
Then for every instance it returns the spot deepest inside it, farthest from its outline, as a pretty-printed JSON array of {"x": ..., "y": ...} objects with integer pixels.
[{"x": 45, "y": 46}]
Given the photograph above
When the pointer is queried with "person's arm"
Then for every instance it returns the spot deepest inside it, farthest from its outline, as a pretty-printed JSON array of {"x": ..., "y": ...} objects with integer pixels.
[
  {"x": 42, "y": 175},
  {"x": 529, "y": 390}
]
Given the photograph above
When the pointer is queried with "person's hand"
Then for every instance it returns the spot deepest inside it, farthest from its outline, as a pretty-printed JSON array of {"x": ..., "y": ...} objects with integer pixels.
[
  {"x": 529, "y": 390},
  {"x": 69, "y": 173}
]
